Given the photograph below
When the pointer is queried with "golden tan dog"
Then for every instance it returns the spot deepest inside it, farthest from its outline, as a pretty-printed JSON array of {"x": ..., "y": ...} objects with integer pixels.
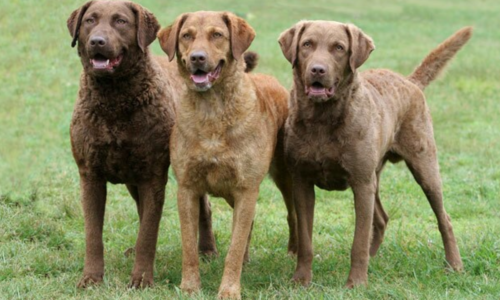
[
  {"x": 121, "y": 127},
  {"x": 226, "y": 138},
  {"x": 344, "y": 126}
]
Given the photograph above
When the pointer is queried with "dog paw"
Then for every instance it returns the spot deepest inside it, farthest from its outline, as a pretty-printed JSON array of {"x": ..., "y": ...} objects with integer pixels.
[
  {"x": 130, "y": 251},
  {"x": 292, "y": 248},
  {"x": 455, "y": 266},
  {"x": 190, "y": 287},
  {"x": 356, "y": 282},
  {"x": 209, "y": 254},
  {"x": 375, "y": 244},
  {"x": 232, "y": 292},
  {"x": 458, "y": 268},
  {"x": 88, "y": 280},
  {"x": 246, "y": 258},
  {"x": 302, "y": 278},
  {"x": 141, "y": 281}
]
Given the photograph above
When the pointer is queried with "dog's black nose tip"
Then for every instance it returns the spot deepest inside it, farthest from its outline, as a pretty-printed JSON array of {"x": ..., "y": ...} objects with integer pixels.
[
  {"x": 318, "y": 69},
  {"x": 97, "y": 41},
  {"x": 198, "y": 57}
]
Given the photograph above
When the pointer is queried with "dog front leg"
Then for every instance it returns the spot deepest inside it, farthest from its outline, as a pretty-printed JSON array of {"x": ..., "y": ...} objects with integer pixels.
[
  {"x": 152, "y": 197},
  {"x": 304, "y": 200},
  {"x": 364, "y": 199},
  {"x": 93, "y": 194},
  {"x": 188, "y": 204},
  {"x": 243, "y": 214}
]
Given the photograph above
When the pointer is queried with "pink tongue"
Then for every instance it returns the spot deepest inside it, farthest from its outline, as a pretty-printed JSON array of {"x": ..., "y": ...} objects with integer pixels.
[
  {"x": 317, "y": 90},
  {"x": 199, "y": 78},
  {"x": 100, "y": 64}
]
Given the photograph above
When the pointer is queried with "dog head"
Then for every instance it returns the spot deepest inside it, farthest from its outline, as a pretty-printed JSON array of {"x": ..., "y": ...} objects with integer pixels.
[
  {"x": 111, "y": 35},
  {"x": 207, "y": 45},
  {"x": 323, "y": 54}
]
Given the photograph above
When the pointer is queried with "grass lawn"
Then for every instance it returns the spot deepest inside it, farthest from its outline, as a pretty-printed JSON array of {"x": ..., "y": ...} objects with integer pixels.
[{"x": 41, "y": 223}]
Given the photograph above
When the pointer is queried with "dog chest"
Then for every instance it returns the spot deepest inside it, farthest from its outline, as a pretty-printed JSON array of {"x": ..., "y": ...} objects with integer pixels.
[
  {"x": 121, "y": 152},
  {"x": 218, "y": 165},
  {"x": 121, "y": 164},
  {"x": 320, "y": 162},
  {"x": 326, "y": 173},
  {"x": 215, "y": 175},
  {"x": 222, "y": 172}
]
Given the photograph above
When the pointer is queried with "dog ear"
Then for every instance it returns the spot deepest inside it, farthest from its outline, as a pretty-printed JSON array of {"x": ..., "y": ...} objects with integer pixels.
[
  {"x": 289, "y": 41},
  {"x": 169, "y": 36},
  {"x": 147, "y": 26},
  {"x": 75, "y": 21},
  {"x": 360, "y": 48},
  {"x": 240, "y": 32}
]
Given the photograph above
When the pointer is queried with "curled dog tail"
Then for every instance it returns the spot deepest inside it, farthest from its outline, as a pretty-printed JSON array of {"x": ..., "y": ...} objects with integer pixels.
[
  {"x": 251, "y": 60},
  {"x": 434, "y": 62}
]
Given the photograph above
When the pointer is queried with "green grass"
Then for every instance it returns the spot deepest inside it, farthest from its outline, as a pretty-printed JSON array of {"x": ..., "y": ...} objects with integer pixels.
[{"x": 41, "y": 223}]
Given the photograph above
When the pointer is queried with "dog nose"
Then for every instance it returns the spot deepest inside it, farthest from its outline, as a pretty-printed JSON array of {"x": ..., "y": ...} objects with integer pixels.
[
  {"x": 318, "y": 70},
  {"x": 97, "y": 41},
  {"x": 198, "y": 57}
]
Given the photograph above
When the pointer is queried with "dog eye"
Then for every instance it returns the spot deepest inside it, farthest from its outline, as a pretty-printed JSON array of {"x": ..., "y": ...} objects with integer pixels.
[
  {"x": 121, "y": 21},
  {"x": 217, "y": 34},
  {"x": 90, "y": 21},
  {"x": 307, "y": 44},
  {"x": 339, "y": 48},
  {"x": 186, "y": 36}
]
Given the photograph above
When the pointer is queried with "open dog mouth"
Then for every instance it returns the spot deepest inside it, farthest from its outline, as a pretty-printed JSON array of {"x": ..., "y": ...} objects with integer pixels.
[
  {"x": 101, "y": 62},
  {"x": 204, "y": 79},
  {"x": 317, "y": 89}
]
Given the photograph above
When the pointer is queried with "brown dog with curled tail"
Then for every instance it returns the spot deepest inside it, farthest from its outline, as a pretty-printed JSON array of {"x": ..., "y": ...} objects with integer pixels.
[{"x": 345, "y": 125}]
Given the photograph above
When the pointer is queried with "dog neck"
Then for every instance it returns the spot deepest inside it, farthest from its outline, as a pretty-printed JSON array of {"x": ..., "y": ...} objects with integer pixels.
[{"x": 331, "y": 112}]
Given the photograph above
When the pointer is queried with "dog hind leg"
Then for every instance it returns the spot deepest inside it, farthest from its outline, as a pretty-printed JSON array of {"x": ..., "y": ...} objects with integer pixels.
[
  {"x": 425, "y": 170},
  {"x": 380, "y": 220},
  {"x": 283, "y": 180},
  {"x": 418, "y": 149},
  {"x": 206, "y": 239}
]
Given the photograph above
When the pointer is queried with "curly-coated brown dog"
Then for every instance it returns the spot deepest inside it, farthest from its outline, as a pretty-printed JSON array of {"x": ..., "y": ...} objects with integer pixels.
[
  {"x": 227, "y": 135},
  {"x": 344, "y": 126},
  {"x": 121, "y": 127}
]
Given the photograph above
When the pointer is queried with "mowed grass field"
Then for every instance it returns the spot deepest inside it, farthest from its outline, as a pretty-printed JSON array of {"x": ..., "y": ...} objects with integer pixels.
[{"x": 41, "y": 222}]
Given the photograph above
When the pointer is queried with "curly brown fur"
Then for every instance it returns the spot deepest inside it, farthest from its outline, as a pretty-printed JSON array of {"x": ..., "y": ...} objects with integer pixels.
[
  {"x": 121, "y": 125},
  {"x": 344, "y": 126}
]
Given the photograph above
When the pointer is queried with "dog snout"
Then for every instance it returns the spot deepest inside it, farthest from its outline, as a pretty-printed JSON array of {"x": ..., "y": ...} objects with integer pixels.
[
  {"x": 198, "y": 57},
  {"x": 97, "y": 41},
  {"x": 318, "y": 70}
]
